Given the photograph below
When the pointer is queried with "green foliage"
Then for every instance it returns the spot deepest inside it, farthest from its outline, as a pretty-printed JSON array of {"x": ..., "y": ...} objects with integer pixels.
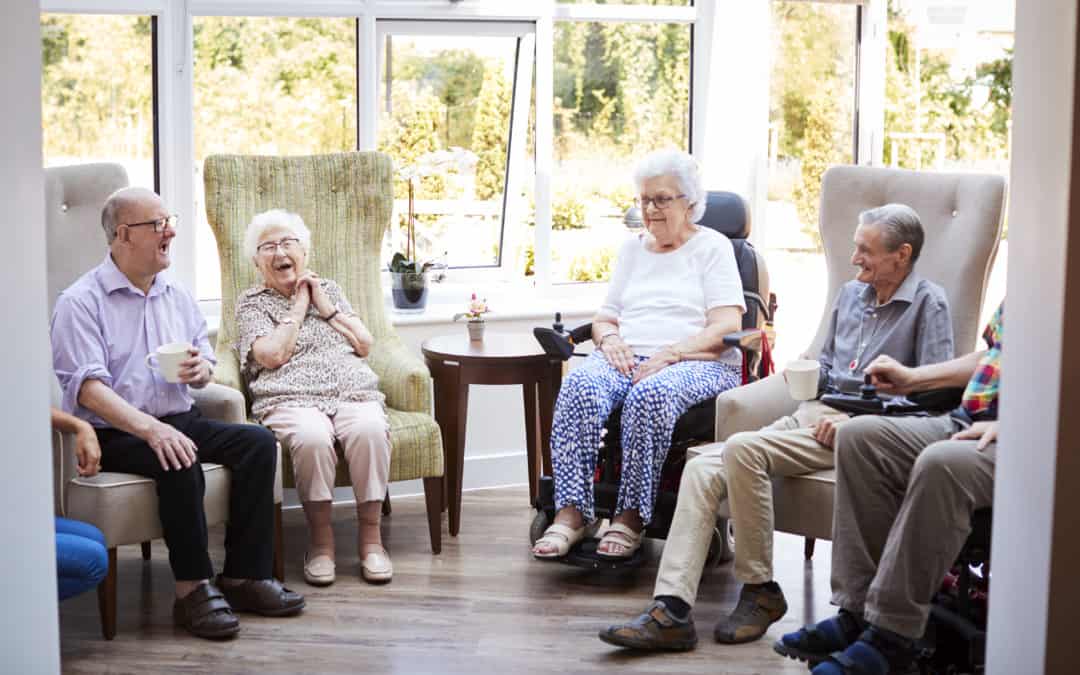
[
  {"x": 818, "y": 152},
  {"x": 567, "y": 212},
  {"x": 593, "y": 266},
  {"x": 455, "y": 78},
  {"x": 490, "y": 134}
]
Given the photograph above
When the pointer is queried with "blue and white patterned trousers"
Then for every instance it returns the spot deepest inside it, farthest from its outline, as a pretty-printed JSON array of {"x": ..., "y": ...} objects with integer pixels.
[{"x": 651, "y": 408}]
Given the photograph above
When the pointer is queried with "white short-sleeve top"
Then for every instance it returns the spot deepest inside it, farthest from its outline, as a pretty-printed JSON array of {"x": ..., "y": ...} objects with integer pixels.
[{"x": 659, "y": 299}]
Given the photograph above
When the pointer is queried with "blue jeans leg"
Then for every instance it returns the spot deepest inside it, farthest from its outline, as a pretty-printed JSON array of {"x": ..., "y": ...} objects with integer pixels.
[{"x": 81, "y": 558}]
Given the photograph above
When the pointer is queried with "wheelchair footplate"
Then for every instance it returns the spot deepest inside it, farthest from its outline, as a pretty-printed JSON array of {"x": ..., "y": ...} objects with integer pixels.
[{"x": 584, "y": 555}]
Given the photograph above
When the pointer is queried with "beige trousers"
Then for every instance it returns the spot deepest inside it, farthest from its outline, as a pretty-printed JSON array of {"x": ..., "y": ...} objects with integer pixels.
[
  {"x": 739, "y": 471},
  {"x": 308, "y": 435}
]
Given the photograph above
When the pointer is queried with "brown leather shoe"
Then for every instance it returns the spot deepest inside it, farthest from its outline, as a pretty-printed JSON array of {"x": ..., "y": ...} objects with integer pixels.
[
  {"x": 759, "y": 607},
  {"x": 206, "y": 613},
  {"x": 263, "y": 596},
  {"x": 656, "y": 629}
]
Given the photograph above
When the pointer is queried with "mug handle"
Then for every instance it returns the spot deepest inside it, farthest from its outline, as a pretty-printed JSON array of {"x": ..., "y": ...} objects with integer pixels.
[{"x": 151, "y": 365}]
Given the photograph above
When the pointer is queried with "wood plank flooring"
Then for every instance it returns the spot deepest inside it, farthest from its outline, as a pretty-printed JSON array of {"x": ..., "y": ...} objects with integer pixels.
[{"x": 482, "y": 606}]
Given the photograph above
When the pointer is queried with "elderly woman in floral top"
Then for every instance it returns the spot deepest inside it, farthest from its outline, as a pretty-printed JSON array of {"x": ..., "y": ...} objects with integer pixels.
[{"x": 302, "y": 353}]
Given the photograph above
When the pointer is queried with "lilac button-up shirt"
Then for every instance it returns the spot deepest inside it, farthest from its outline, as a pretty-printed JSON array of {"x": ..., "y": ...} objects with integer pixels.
[{"x": 102, "y": 329}]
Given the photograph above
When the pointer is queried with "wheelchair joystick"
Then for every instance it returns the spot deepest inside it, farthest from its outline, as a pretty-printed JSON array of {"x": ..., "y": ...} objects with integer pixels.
[
  {"x": 868, "y": 391},
  {"x": 558, "y": 325}
]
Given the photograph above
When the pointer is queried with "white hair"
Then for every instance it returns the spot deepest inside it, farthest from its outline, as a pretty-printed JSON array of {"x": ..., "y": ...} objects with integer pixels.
[
  {"x": 683, "y": 168},
  {"x": 271, "y": 219}
]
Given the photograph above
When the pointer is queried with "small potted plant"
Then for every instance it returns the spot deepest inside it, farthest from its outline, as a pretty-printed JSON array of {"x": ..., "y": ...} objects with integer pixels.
[
  {"x": 409, "y": 276},
  {"x": 475, "y": 315}
]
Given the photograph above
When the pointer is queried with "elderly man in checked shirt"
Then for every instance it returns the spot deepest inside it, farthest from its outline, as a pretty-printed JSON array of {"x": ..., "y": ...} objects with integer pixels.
[
  {"x": 103, "y": 328},
  {"x": 906, "y": 489},
  {"x": 887, "y": 310}
]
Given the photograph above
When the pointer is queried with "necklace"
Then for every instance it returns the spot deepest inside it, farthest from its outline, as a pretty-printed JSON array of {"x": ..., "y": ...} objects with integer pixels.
[{"x": 860, "y": 348}]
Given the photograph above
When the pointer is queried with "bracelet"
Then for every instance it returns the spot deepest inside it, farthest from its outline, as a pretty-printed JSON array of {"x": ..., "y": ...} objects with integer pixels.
[
  {"x": 606, "y": 336},
  {"x": 335, "y": 313}
]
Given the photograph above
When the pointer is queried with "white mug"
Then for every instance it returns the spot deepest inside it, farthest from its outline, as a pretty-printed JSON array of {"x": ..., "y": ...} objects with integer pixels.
[
  {"x": 802, "y": 379},
  {"x": 169, "y": 357}
]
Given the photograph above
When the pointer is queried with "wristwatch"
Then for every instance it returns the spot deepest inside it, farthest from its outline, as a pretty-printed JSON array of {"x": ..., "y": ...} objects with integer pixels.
[{"x": 288, "y": 319}]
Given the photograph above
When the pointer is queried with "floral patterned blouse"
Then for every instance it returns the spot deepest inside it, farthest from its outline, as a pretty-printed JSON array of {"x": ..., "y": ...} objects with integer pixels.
[{"x": 323, "y": 370}]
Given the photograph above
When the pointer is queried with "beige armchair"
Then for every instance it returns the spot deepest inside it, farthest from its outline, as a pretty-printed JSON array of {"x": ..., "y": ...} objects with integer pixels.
[
  {"x": 346, "y": 201},
  {"x": 962, "y": 215},
  {"x": 123, "y": 506}
]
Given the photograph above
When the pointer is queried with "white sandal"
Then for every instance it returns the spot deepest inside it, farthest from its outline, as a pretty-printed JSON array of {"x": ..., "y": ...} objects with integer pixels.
[
  {"x": 561, "y": 537},
  {"x": 621, "y": 536}
]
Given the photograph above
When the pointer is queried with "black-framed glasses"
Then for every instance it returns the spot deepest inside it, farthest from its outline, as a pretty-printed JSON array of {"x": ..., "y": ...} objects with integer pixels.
[
  {"x": 170, "y": 221},
  {"x": 661, "y": 202},
  {"x": 287, "y": 245}
]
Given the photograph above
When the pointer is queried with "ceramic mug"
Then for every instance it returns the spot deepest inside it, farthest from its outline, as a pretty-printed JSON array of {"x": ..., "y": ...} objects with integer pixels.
[
  {"x": 802, "y": 379},
  {"x": 169, "y": 356}
]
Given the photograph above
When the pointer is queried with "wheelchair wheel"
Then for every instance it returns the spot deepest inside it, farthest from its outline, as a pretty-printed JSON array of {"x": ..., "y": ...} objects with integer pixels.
[
  {"x": 540, "y": 523},
  {"x": 721, "y": 546}
]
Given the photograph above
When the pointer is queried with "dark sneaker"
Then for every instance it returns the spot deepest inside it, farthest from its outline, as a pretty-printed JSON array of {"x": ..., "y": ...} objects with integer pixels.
[
  {"x": 204, "y": 612},
  {"x": 263, "y": 596},
  {"x": 814, "y": 643},
  {"x": 760, "y": 605},
  {"x": 876, "y": 652},
  {"x": 657, "y": 629}
]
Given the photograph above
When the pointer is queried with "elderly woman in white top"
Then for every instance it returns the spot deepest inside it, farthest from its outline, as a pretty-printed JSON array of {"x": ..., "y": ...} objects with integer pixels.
[
  {"x": 675, "y": 293},
  {"x": 302, "y": 353}
]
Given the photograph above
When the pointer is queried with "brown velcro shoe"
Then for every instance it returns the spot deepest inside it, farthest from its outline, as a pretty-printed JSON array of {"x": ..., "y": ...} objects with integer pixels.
[
  {"x": 206, "y": 613},
  {"x": 656, "y": 629},
  {"x": 263, "y": 596},
  {"x": 760, "y": 605}
]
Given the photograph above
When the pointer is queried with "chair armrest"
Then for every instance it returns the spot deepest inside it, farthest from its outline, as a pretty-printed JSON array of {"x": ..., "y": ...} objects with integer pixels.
[
  {"x": 752, "y": 406},
  {"x": 227, "y": 371},
  {"x": 403, "y": 377},
  {"x": 744, "y": 339},
  {"x": 221, "y": 403}
]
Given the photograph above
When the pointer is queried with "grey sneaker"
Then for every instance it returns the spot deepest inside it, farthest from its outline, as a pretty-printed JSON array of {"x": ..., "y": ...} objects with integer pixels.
[
  {"x": 759, "y": 607},
  {"x": 655, "y": 630}
]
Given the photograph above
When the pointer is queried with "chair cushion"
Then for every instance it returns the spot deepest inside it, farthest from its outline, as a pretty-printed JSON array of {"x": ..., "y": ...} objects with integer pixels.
[{"x": 124, "y": 506}]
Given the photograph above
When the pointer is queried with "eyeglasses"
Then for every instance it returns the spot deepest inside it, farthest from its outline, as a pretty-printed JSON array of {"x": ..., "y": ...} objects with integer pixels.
[
  {"x": 661, "y": 202},
  {"x": 170, "y": 221},
  {"x": 287, "y": 245}
]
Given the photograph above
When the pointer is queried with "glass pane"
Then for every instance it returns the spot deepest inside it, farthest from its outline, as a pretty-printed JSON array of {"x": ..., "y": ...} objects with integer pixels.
[
  {"x": 97, "y": 92},
  {"x": 269, "y": 86},
  {"x": 621, "y": 90},
  {"x": 811, "y": 127},
  {"x": 669, "y": 3},
  {"x": 948, "y": 96},
  {"x": 444, "y": 110}
]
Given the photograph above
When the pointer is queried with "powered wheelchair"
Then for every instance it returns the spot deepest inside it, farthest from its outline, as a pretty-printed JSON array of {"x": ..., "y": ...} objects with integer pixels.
[
  {"x": 727, "y": 213},
  {"x": 955, "y": 639}
]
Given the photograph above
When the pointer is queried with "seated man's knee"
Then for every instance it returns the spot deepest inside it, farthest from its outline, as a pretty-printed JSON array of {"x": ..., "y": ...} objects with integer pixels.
[
  {"x": 740, "y": 451},
  {"x": 700, "y": 473},
  {"x": 942, "y": 459},
  {"x": 854, "y": 430}
]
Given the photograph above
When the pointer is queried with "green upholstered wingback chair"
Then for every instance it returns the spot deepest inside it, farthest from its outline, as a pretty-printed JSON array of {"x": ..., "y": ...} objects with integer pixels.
[{"x": 346, "y": 201}]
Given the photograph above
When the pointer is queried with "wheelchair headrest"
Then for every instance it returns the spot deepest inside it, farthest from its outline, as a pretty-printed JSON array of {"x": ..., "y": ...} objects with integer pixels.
[{"x": 727, "y": 213}]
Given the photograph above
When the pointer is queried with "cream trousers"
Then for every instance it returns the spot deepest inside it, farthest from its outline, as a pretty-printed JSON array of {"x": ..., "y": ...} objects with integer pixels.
[
  {"x": 308, "y": 435},
  {"x": 740, "y": 471}
]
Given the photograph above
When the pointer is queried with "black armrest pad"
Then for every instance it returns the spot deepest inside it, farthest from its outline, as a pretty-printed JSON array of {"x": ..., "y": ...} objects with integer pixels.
[
  {"x": 582, "y": 333},
  {"x": 938, "y": 399},
  {"x": 744, "y": 339}
]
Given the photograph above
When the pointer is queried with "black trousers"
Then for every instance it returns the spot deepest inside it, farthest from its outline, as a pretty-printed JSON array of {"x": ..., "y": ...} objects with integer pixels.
[{"x": 249, "y": 451}]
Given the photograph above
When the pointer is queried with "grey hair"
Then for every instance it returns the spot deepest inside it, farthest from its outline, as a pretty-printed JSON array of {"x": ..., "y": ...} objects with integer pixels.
[
  {"x": 900, "y": 224},
  {"x": 275, "y": 218},
  {"x": 680, "y": 165},
  {"x": 117, "y": 201}
]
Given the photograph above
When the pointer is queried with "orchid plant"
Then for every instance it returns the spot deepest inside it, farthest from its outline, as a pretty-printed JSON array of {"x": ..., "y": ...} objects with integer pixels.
[
  {"x": 477, "y": 309},
  {"x": 434, "y": 163}
]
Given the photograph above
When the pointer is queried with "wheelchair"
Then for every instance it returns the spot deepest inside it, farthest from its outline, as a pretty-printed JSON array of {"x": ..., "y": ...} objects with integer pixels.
[
  {"x": 727, "y": 213},
  {"x": 955, "y": 639}
]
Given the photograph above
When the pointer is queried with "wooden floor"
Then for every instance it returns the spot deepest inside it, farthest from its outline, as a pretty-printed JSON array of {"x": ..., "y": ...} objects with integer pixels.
[{"x": 482, "y": 606}]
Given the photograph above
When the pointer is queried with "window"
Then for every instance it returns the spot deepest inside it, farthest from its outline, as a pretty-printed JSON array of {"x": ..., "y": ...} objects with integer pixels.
[
  {"x": 268, "y": 85},
  {"x": 98, "y": 92},
  {"x": 621, "y": 90},
  {"x": 450, "y": 87}
]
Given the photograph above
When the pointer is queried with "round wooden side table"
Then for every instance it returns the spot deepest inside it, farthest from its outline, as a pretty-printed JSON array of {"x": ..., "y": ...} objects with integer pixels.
[{"x": 456, "y": 362}]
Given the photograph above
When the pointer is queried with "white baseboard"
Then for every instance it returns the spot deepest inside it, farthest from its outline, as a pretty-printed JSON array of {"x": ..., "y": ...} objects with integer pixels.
[{"x": 482, "y": 472}]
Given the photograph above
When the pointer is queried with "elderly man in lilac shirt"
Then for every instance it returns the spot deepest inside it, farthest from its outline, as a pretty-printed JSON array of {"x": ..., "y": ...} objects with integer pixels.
[{"x": 103, "y": 328}]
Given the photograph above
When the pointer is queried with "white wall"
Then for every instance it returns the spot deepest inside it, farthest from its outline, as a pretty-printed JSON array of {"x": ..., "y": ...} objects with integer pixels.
[
  {"x": 28, "y": 624},
  {"x": 1036, "y": 592}
]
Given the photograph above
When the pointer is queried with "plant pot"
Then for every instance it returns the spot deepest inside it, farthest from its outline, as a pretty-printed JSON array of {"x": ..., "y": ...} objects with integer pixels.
[
  {"x": 476, "y": 330},
  {"x": 410, "y": 291}
]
